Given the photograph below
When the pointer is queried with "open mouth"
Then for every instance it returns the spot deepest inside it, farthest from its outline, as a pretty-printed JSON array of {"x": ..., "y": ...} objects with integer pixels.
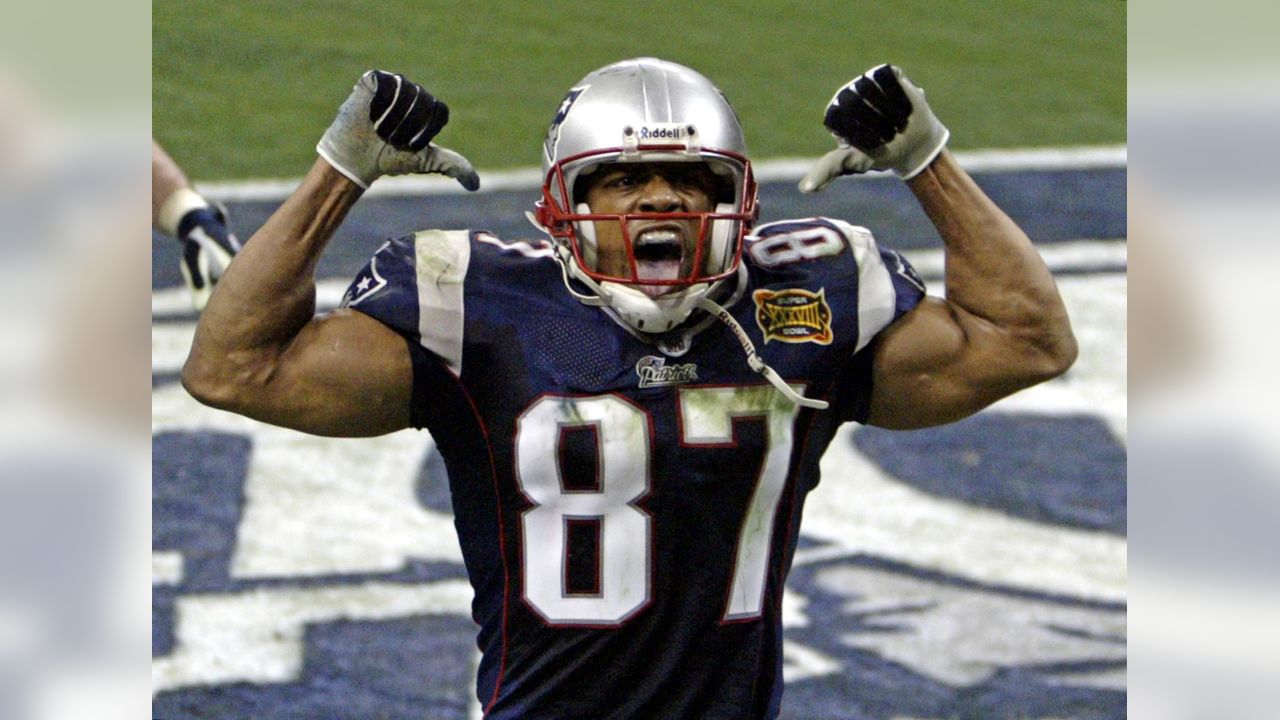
[{"x": 659, "y": 254}]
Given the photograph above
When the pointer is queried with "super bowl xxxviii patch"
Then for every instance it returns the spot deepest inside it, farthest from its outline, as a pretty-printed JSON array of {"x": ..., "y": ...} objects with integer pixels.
[{"x": 793, "y": 316}]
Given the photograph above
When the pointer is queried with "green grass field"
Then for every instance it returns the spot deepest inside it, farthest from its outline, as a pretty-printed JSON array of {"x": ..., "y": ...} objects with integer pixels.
[{"x": 244, "y": 89}]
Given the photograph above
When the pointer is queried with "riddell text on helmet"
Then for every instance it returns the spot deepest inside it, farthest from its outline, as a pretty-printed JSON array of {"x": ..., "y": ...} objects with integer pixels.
[{"x": 663, "y": 132}]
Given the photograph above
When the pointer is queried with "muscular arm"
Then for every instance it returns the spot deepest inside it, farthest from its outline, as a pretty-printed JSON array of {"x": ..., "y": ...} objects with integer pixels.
[
  {"x": 259, "y": 351},
  {"x": 1003, "y": 326}
]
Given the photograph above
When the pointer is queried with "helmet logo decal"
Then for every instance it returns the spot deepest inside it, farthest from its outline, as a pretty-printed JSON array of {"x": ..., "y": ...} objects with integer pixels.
[
  {"x": 654, "y": 372},
  {"x": 553, "y": 133},
  {"x": 793, "y": 316}
]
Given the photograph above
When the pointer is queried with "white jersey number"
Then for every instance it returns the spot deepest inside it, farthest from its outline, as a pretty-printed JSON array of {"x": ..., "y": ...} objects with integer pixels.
[
  {"x": 623, "y": 437},
  {"x": 808, "y": 243}
]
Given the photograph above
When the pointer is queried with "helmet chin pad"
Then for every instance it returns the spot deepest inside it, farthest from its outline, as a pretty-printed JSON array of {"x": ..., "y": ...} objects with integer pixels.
[{"x": 652, "y": 315}]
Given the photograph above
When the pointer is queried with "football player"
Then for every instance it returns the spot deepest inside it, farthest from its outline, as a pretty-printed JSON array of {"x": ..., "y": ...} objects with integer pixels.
[
  {"x": 633, "y": 408},
  {"x": 179, "y": 211}
]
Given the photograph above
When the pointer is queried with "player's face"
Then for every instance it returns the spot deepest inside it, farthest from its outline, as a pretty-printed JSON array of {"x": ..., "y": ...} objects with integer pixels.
[{"x": 664, "y": 249}]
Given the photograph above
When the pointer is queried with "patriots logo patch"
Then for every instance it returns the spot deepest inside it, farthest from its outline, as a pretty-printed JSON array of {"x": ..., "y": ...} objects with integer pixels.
[
  {"x": 793, "y": 316},
  {"x": 364, "y": 286},
  {"x": 655, "y": 372}
]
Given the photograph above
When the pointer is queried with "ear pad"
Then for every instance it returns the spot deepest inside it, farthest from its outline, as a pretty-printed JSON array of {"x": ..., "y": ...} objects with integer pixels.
[
  {"x": 723, "y": 234},
  {"x": 586, "y": 230}
]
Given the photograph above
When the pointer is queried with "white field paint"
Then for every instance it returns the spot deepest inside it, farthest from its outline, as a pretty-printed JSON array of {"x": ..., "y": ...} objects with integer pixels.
[{"x": 778, "y": 170}]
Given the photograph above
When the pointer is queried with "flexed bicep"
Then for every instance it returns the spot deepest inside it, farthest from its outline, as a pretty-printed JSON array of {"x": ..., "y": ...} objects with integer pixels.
[
  {"x": 344, "y": 375},
  {"x": 940, "y": 363},
  {"x": 1003, "y": 326}
]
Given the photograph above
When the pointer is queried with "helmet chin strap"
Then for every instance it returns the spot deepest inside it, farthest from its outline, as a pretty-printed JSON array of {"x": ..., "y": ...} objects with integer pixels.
[{"x": 754, "y": 360}]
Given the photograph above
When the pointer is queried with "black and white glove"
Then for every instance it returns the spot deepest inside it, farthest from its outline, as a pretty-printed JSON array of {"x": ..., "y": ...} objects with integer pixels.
[
  {"x": 881, "y": 122},
  {"x": 207, "y": 243},
  {"x": 385, "y": 128}
]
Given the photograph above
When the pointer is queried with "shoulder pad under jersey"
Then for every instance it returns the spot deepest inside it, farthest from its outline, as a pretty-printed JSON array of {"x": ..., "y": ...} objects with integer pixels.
[{"x": 831, "y": 254}]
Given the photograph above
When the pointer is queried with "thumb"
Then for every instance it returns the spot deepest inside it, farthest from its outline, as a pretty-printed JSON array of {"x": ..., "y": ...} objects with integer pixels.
[
  {"x": 841, "y": 161},
  {"x": 451, "y": 164}
]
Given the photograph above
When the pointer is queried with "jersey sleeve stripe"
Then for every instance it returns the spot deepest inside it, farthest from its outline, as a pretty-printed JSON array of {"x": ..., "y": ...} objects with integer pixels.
[
  {"x": 441, "y": 259},
  {"x": 877, "y": 299}
]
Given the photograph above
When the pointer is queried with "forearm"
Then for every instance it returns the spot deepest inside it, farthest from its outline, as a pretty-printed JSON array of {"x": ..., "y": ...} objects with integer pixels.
[
  {"x": 992, "y": 270},
  {"x": 166, "y": 178},
  {"x": 268, "y": 295}
]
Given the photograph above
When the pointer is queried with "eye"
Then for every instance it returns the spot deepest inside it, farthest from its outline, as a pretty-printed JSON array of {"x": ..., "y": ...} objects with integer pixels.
[
  {"x": 622, "y": 180},
  {"x": 692, "y": 180}
]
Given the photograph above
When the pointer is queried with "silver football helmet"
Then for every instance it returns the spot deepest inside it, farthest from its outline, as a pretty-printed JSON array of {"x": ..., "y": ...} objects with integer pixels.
[{"x": 646, "y": 111}]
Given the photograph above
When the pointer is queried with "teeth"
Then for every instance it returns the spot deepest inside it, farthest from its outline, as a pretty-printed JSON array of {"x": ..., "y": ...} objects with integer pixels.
[{"x": 651, "y": 237}]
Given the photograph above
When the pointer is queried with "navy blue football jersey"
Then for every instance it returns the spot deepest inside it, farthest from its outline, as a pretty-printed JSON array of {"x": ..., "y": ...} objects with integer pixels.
[{"x": 628, "y": 510}]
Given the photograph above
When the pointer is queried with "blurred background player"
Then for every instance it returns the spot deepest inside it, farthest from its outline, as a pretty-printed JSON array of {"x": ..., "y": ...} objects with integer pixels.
[{"x": 179, "y": 211}]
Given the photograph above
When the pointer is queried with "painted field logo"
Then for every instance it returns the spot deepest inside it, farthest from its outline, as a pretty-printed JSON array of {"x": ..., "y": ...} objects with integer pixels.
[
  {"x": 654, "y": 371},
  {"x": 793, "y": 316}
]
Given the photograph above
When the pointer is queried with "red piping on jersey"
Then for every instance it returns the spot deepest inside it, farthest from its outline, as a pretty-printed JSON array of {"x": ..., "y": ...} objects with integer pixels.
[{"x": 502, "y": 542}]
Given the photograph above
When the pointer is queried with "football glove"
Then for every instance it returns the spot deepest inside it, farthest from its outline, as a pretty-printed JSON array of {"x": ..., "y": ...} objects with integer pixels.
[
  {"x": 207, "y": 244},
  {"x": 385, "y": 128},
  {"x": 881, "y": 122},
  {"x": 207, "y": 249}
]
